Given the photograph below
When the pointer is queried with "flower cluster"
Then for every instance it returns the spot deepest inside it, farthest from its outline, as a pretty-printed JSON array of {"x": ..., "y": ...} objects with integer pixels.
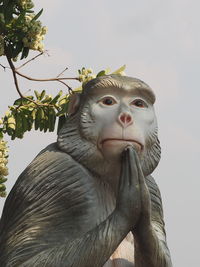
[
  {"x": 25, "y": 4},
  {"x": 34, "y": 33},
  {"x": 1, "y": 45},
  {"x": 3, "y": 167},
  {"x": 20, "y": 29},
  {"x": 85, "y": 75}
]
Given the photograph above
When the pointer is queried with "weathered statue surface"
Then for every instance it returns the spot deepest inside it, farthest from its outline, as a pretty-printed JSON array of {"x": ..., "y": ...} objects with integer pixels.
[{"x": 89, "y": 199}]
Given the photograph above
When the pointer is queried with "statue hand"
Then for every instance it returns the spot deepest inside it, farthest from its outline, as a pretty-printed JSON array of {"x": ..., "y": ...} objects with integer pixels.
[
  {"x": 129, "y": 199},
  {"x": 144, "y": 222}
]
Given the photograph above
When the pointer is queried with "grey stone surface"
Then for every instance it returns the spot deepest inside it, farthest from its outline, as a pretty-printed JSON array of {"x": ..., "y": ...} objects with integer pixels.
[{"x": 89, "y": 199}]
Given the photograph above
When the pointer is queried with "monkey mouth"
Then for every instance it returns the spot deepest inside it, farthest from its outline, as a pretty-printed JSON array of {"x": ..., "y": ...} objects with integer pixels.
[{"x": 123, "y": 142}]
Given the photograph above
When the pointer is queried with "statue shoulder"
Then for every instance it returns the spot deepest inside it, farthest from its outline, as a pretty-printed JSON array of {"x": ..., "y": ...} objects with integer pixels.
[
  {"x": 53, "y": 177},
  {"x": 52, "y": 170},
  {"x": 52, "y": 162}
]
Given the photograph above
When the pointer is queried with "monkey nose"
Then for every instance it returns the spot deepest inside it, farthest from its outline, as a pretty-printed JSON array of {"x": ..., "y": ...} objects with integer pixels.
[{"x": 125, "y": 119}]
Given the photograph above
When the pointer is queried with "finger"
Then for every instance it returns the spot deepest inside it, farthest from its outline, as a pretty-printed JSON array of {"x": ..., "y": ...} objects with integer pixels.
[
  {"x": 144, "y": 190},
  {"x": 141, "y": 177},
  {"x": 133, "y": 177},
  {"x": 131, "y": 183},
  {"x": 124, "y": 169},
  {"x": 133, "y": 168}
]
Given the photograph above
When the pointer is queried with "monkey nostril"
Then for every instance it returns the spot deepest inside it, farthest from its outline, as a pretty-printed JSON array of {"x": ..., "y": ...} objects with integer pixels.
[{"x": 125, "y": 119}]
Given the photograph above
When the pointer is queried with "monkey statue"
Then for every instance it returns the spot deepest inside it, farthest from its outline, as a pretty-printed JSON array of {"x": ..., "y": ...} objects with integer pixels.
[{"x": 89, "y": 199}]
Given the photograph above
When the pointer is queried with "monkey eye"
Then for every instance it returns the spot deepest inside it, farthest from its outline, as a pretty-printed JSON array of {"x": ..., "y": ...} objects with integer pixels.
[
  {"x": 139, "y": 103},
  {"x": 108, "y": 101}
]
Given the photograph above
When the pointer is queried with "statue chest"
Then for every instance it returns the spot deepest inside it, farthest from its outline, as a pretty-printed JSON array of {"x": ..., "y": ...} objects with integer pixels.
[{"x": 124, "y": 254}]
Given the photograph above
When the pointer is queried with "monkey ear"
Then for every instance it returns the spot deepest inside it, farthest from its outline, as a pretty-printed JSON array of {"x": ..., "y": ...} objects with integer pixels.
[{"x": 73, "y": 105}]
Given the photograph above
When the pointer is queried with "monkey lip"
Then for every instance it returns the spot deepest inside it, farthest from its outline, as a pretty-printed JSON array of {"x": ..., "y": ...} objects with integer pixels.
[{"x": 126, "y": 142}]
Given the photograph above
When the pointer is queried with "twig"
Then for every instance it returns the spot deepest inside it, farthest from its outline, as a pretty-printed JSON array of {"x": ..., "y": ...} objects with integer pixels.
[
  {"x": 62, "y": 72},
  {"x": 30, "y": 61},
  {"x": 44, "y": 80},
  {"x": 4, "y": 67},
  {"x": 15, "y": 72},
  {"x": 56, "y": 79},
  {"x": 69, "y": 88},
  {"x": 17, "y": 85}
]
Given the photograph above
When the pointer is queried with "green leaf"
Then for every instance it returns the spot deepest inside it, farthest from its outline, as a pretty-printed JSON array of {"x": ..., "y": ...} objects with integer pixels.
[
  {"x": 24, "y": 121},
  {"x": 63, "y": 110},
  {"x": 18, "y": 101},
  {"x": 19, "y": 132},
  {"x": 3, "y": 180},
  {"x": 3, "y": 194},
  {"x": 29, "y": 11},
  {"x": 42, "y": 123},
  {"x": 101, "y": 73},
  {"x": 20, "y": 18},
  {"x": 37, "y": 94},
  {"x": 121, "y": 69},
  {"x": 23, "y": 101},
  {"x": 46, "y": 125},
  {"x": 39, "y": 119},
  {"x": 17, "y": 49},
  {"x": 55, "y": 99},
  {"x": 33, "y": 114},
  {"x": 38, "y": 15},
  {"x": 63, "y": 100},
  {"x": 51, "y": 119},
  {"x": 42, "y": 114},
  {"x": 47, "y": 99},
  {"x": 42, "y": 94},
  {"x": 2, "y": 187},
  {"x": 25, "y": 52}
]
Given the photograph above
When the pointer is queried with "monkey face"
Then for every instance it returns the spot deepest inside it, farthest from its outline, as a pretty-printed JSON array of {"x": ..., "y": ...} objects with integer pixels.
[
  {"x": 122, "y": 119},
  {"x": 116, "y": 112}
]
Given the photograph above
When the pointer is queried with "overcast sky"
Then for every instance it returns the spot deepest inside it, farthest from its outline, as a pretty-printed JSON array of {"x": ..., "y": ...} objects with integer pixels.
[{"x": 159, "y": 41}]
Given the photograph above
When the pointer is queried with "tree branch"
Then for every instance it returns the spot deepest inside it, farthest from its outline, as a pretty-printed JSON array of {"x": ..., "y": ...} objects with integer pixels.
[
  {"x": 14, "y": 75},
  {"x": 13, "y": 69},
  {"x": 29, "y": 61},
  {"x": 15, "y": 72},
  {"x": 56, "y": 79}
]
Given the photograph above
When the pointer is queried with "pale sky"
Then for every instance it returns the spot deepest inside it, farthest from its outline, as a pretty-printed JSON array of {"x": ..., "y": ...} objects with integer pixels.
[{"x": 159, "y": 41}]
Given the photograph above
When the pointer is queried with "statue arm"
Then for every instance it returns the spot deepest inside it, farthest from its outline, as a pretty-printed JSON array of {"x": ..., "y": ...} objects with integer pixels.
[
  {"x": 150, "y": 242},
  {"x": 91, "y": 249},
  {"x": 95, "y": 246},
  {"x": 60, "y": 228}
]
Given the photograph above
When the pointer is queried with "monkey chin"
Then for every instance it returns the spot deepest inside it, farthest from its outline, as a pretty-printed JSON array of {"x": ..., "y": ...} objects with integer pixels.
[{"x": 113, "y": 148}]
